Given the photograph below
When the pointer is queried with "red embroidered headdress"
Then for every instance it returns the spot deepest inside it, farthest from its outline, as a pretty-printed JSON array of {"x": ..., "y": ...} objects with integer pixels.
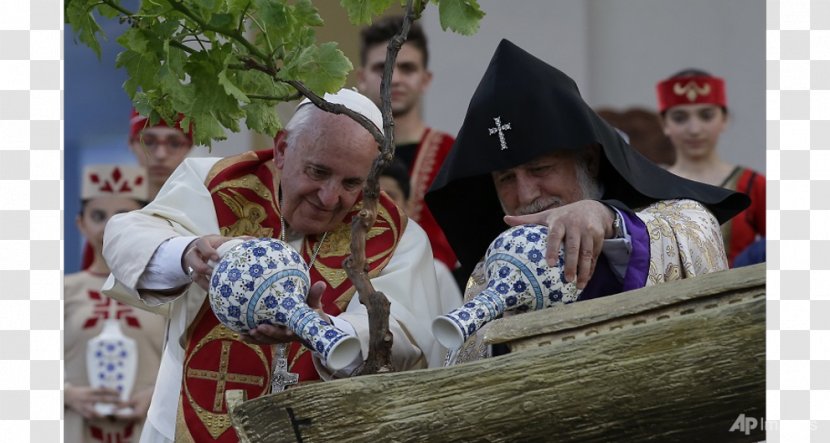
[
  {"x": 138, "y": 122},
  {"x": 115, "y": 181},
  {"x": 691, "y": 90}
]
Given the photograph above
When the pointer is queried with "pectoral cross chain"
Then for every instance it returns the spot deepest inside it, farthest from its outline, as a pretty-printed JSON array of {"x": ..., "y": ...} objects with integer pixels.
[{"x": 281, "y": 378}]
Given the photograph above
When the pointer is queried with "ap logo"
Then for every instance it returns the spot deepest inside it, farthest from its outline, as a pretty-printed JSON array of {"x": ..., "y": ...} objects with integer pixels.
[{"x": 746, "y": 424}]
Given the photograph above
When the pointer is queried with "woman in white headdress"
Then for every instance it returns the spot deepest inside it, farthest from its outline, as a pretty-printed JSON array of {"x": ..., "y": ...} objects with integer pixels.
[{"x": 107, "y": 190}]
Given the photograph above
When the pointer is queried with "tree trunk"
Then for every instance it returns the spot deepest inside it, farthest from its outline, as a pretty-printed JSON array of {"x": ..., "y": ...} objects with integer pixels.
[{"x": 679, "y": 361}]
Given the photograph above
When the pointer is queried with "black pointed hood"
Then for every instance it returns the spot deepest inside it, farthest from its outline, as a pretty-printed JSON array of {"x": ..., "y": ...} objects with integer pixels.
[{"x": 545, "y": 113}]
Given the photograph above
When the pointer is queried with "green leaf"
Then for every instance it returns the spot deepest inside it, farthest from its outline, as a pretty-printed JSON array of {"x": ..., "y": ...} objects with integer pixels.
[
  {"x": 133, "y": 62},
  {"x": 210, "y": 100},
  {"x": 262, "y": 117},
  {"x": 204, "y": 9},
  {"x": 139, "y": 59},
  {"x": 272, "y": 22},
  {"x": 134, "y": 39},
  {"x": 164, "y": 29},
  {"x": 156, "y": 104},
  {"x": 307, "y": 14},
  {"x": 237, "y": 6},
  {"x": 174, "y": 60},
  {"x": 78, "y": 14},
  {"x": 461, "y": 16},
  {"x": 197, "y": 57},
  {"x": 360, "y": 12},
  {"x": 205, "y": 128},
  {"x": 180, "y": 95},
  {"x": 142, "y": 104},
  {"x": 222, "y": 21},
  {"x": 322, "y": 68},
  {"x": 157, "y": 8},
  {"x": 228, "y": 85},
  {"x": 108, "y": 11},
  {"x": 260, "y": 83},
  {"x": 210, "y": 5}
]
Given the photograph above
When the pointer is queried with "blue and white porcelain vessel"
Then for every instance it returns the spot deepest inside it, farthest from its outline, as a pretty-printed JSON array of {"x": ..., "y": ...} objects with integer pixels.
[
  {"x": 266, "y": 281},
  {"x": 112, "y": 362},
  {"x": 518, "y": 279}
]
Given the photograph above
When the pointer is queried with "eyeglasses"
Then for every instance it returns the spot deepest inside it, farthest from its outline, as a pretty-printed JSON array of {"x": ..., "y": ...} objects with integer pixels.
[{"x": 173, "y": 143}]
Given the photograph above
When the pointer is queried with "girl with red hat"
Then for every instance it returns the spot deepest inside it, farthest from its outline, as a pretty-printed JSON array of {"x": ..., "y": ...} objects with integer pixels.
[
  {"x": 105, "y": 398},
  {"x": 693, "y": 110},
  {"x": 159, "y": 148}
]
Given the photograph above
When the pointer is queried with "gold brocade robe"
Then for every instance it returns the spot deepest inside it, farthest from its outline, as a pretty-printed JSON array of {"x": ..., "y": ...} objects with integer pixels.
[{"x": 684, "y": 241}]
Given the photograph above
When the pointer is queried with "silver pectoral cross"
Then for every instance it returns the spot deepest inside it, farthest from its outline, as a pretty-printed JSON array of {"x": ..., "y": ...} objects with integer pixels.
[
  {"x": 281, "y": 378},
  {"x": 500, "y": 128}
]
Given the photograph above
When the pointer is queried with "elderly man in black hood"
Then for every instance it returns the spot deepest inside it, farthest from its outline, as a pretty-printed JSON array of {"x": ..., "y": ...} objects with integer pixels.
[{"x": 530, "y": 148}]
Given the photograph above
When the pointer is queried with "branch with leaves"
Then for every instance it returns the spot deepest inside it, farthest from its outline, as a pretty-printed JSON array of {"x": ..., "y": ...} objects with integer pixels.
[
  {"x": 220, "y": 62},
  {"x": 229, "y": 61},
  {"x": 377, "y": 305}
]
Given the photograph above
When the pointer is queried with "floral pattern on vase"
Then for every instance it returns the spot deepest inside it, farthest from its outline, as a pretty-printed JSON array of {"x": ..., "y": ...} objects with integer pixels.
[
  {"x": 518, "y": 279},
  {"x": 112, "y": 362},
  {"x": 265, "y": 281}
]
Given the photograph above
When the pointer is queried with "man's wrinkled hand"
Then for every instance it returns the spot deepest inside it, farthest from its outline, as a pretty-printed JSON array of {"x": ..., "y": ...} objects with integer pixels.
[
  {"x": 198, "y": 255},
  {"x": 581, "y": 227}
]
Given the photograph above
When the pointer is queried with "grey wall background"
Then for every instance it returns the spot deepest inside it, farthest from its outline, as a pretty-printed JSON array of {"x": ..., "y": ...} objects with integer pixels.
[{"x": 616, "y": 51}]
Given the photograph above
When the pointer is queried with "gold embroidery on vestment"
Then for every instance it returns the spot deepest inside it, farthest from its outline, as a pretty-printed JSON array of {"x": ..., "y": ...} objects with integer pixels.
[
  {"x": 297, "y": 356},
  {"x": 182, "y": 432},
  {"x": 337, "y": 245},
  {"x": 421, "y": 171},
  {"x": 251, "y": 182},
  {"x": 224, "y": 163},
  {"x": 685, "y": 240},
  {"x": 249, "y": 216},
  {"x": 215, "y": 421}
]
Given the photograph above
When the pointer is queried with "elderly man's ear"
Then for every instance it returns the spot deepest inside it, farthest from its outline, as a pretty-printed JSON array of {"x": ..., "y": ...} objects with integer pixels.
[{"x": 279, "y": 149}]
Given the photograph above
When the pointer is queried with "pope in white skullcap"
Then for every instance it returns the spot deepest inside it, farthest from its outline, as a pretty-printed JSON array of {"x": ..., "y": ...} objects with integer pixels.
[
  {"x": 308, "y": 187},
  {"x": 356, "y": 102}
]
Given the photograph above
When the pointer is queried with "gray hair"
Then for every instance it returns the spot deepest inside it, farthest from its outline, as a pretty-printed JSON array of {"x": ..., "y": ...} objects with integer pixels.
[
  {"x": 591, "y": 187},
  {"x": 300, "y": 123}
]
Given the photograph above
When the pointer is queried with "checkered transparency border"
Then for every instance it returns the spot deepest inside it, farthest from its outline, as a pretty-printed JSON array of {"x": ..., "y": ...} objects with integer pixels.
[
  {"x": 798, "y": 223},
  {"x": 31, "y": 206},
  {"x": 798, "y": 315}
]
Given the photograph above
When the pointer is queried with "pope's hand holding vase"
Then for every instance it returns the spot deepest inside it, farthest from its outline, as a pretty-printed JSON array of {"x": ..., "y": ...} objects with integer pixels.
[{"x": 266, "y": 281}]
